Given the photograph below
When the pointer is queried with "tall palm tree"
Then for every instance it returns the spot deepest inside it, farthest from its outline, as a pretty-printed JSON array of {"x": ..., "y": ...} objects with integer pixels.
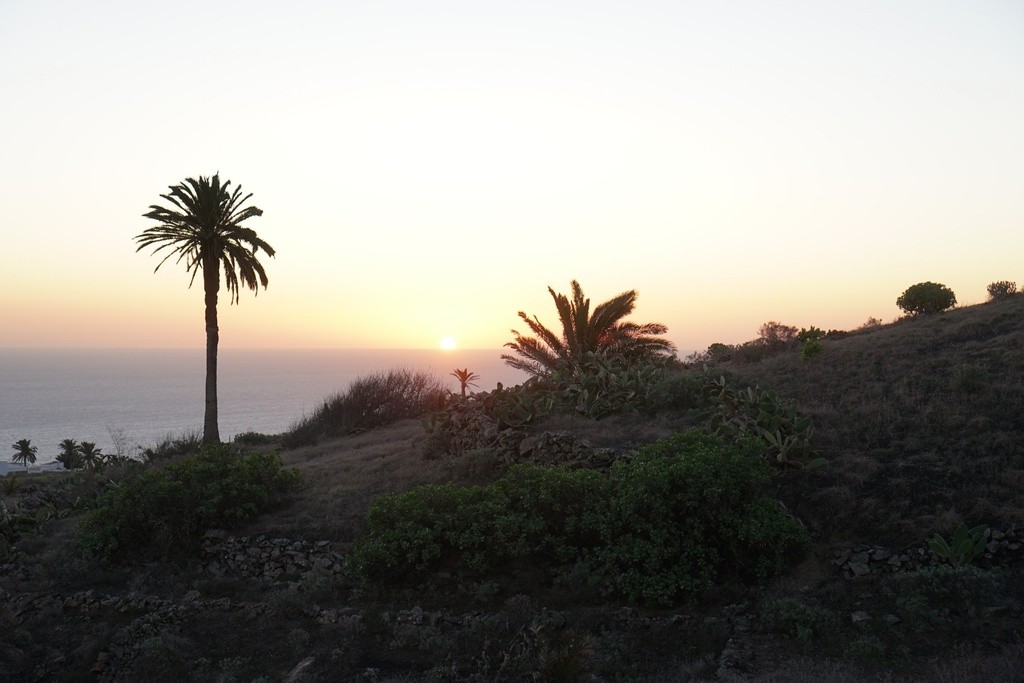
[
  {"x": 70, "y": 454},
  {"x": 601, "y": 331},
  {"x": 91, "y": 456},
  {"x": 26, "y": 452},
  {"x": 205, "y": 229}
]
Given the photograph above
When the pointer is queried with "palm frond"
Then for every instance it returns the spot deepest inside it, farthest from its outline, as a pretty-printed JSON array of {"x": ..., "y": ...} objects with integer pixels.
[
  {"x": 202, "y": 226},
  {"x": 585, "y": 332}
]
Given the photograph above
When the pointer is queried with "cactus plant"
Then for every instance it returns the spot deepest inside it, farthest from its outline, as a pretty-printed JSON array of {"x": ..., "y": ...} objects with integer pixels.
[
  {"x": 965, "y": 546},
  {"x": 757, "y": 412}
]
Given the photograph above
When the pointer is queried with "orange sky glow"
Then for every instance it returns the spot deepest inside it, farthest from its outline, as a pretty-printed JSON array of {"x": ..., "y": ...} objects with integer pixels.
[{"x": 426, "y": 170}]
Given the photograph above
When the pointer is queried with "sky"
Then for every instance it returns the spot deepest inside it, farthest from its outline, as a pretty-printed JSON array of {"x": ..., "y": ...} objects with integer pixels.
[{"x": 428, "y": 169}]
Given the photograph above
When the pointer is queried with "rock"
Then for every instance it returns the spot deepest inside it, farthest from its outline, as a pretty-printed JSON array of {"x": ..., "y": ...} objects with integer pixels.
[
  {"x": 859, "y": 568},
  {"x": 860, "y": 616}
]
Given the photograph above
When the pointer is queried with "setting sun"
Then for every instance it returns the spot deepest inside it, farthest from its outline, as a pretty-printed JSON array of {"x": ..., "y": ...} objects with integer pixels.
[{"x": 448, "y": 343}]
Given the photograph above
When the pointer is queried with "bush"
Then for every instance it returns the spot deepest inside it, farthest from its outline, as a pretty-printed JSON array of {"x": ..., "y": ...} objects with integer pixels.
[
  {"x": 685, "y": 513},
  {"x": 254, "y": 439},
  {"x": 173, "y": 447},
  {"x": 532, "y": 512},
  {"x": 373, "y": 401},
  {"x": 688, "y": 512},
  {"x": 1003, "y": 289},
  {"x": 165, "y": 512},
  {"x": 925, "y": 298},
  {"x": 811, "y": 348}
]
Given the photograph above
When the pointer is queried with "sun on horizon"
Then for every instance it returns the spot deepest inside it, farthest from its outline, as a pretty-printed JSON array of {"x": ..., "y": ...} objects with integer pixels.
[{"x": 448, "y": 344}]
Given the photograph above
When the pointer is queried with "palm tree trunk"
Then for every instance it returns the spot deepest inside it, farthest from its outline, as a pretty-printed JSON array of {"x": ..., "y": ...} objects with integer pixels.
[{"x": 211, "y": 284}]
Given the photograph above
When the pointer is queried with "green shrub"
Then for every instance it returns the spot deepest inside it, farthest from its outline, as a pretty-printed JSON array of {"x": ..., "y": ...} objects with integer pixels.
[
  {"x": 532, "y": 512},
  {"x": 678, "y": 391},
  {"x": 685, "y": 513},
  {"x": 173, "y": 447},
  {"x": 689, "y": 511},
  {"x": 372, "y": 401},
  {"x": 804, "y": 623},
  {"x": 254, "y": 439},
  {"x": 811, "y": 348},
  {"x": 925, "y": 298},
  {"x": 1002, "y": 289},
  {"x": 165, "y": 512}
]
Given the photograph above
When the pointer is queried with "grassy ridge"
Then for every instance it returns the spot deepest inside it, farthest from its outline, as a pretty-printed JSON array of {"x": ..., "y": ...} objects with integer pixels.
[{"x": 920, "y": 421}]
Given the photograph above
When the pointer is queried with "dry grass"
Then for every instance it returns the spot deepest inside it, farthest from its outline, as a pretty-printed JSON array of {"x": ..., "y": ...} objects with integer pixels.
[{"x": 342, "y": 476}]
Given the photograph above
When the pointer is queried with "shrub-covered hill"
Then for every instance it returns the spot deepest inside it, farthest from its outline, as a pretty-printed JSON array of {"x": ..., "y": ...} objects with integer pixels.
[
  {"x": 921, "y": 422},
  {"x": 392, "y": 558}
]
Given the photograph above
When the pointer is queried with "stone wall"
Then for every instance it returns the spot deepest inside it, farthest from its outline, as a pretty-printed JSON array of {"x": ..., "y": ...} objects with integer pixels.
[
  {"x": 267, "y": 559},
  {"x": 1003, "y": 548}
]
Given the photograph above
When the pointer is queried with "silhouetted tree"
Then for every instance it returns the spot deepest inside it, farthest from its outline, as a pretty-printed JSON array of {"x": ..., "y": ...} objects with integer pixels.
[
  {"x": 926, "y": 297},
  {"x": 1002, "y": 289},
  {"x": 583, "y": 332},
  {"x": 91, "y": 456},
  {"x": 205, "y": 229},
  {"x": 466, "y": 378},
  {"x": 70, "y": 454},
  {"x": 26, "y": 452},
  {"x": 775, "y": 334}
]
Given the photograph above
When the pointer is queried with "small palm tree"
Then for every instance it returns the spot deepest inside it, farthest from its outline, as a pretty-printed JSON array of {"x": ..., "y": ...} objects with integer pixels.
[
  {"x": 91, "y": 456},
  {"x": 584, "y": 332},
  {"x": 465, "y": 377},
  {"x": 26, "y": 452},
  {"x": 70, "y": 454},
  {"x": 205, "y": 229}
]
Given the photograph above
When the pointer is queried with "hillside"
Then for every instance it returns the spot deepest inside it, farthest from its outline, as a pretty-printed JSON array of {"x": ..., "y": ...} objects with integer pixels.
[{"x": 918, "y": 421}]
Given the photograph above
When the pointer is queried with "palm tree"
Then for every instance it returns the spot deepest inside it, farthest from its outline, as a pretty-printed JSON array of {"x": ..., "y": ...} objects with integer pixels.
[
  {"x": 583, "y": 332},
  {"x": 91, "y": 456},
  {"x": 70, "y": 454},
  {"x": 465, "y": 377},
  {"x": 205, "y": 229},
  {"x": 26, "y": 452}
]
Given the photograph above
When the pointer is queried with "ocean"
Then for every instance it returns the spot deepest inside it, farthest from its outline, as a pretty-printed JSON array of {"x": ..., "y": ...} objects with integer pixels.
[{"x": 47, "y": 395}]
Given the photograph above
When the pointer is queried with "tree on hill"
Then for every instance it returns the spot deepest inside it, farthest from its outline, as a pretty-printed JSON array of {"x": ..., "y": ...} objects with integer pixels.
[
  {"x": 601, "y": 331},
  {"x": 925, "y": 298},
  {"x": 205, "y": 229},
  {"x": 1001, "y": 289},
  {"x": 26, "y": 452}
]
